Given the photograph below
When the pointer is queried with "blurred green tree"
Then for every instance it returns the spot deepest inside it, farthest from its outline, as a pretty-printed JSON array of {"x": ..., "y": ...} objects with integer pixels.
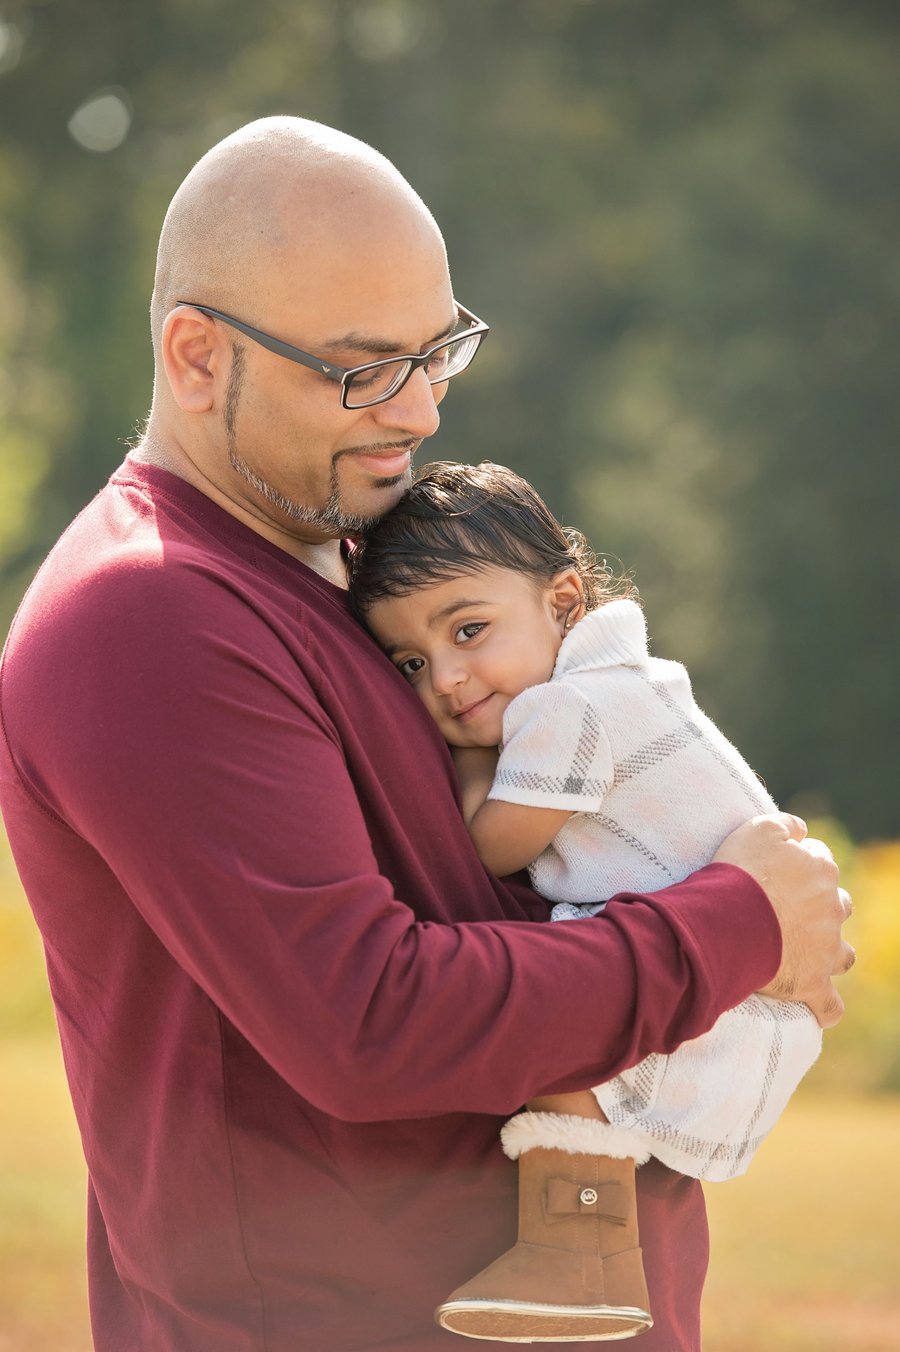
[{"x": 680, "y": 221}]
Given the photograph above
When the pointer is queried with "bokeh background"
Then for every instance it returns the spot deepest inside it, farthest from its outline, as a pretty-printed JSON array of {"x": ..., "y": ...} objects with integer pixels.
[{"x": 681, "y": 221}]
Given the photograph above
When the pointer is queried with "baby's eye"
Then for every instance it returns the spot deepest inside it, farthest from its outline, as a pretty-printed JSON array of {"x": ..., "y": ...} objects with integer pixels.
[
  {"x": 465, "y": 632},
  {"x": 410, "y": 667}
]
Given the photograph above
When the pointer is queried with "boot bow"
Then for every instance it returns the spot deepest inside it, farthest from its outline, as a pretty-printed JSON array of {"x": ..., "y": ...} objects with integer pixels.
[{"x": 607, "y": 1201}]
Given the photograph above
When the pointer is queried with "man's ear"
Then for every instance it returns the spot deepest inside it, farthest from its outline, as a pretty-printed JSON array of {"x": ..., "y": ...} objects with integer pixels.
[
  {"x": 194, "y": 355},
  {"x": 566, "y": 596}
]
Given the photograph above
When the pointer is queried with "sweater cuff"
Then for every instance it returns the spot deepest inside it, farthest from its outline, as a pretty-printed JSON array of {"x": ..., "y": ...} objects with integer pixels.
[{"x": 764, "y": 929}]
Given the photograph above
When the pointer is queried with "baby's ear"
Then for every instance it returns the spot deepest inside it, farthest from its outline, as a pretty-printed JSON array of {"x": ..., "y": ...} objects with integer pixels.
[{"x": 566, "y": 596}]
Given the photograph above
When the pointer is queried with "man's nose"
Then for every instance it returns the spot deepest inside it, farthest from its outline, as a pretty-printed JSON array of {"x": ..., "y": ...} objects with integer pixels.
[{"x": 414, "y": 408}]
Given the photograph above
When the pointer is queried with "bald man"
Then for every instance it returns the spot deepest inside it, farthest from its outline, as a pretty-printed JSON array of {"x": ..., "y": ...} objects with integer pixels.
[{"x": 294, "y": 1008}]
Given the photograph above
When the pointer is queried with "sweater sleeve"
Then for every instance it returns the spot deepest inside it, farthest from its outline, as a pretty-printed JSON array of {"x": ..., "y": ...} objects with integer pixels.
[
  {"x": 555, "y": 752},
  {"x": 167, "y": 727}
]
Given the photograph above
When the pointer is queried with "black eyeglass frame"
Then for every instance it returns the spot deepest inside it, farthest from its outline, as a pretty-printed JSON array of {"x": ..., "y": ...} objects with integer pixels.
[{"x": 344, "y": 376}]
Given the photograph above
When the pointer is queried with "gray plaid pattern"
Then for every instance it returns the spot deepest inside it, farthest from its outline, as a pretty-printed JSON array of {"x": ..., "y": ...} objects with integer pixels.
[
  {"x": 754, "y": 790},
  {"x": 619, "y": 831},
  {"x": 654, "y": 752},
  {"x": 647, "y": 757},
  {"x": 634, "y": 1104},
  {"x": 575, "y": 780}
]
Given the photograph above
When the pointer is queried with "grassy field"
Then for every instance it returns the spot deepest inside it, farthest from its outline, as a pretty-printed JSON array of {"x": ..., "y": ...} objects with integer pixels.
[
  {"x": 806, "y": 1248},
  {"x": 43, "y": 1297}
]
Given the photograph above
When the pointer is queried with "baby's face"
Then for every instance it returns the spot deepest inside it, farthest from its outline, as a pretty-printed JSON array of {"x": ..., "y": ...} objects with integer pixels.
[{"x": 470, "y": 645}]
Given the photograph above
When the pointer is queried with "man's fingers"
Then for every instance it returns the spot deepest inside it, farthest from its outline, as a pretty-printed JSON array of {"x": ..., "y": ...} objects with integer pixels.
[
  {"x": 846, "y": 902},
  {"x": 795, "y": 826},
  {"x": 849, "y": 955},
  {"x": 831, "y": 1010},
  {"x": 812, "y": 845}
]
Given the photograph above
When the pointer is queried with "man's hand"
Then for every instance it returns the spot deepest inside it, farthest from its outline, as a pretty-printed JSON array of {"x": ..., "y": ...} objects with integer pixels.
[{"x": 800, "y": 878}]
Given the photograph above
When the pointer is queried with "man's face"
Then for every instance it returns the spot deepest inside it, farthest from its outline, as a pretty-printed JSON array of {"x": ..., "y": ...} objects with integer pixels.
[{"x": 294, "y": 454}]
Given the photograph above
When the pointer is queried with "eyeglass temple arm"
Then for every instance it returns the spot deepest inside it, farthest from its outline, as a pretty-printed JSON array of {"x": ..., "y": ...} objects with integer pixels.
[
  {"x": 296, "y": 354},
  {"x": 273, "y": 344},
  {"x": 471, "y": 319}
]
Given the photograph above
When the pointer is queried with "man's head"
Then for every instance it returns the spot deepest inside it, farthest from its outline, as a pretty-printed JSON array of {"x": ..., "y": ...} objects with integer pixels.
[{"x": 314, "y": 238}]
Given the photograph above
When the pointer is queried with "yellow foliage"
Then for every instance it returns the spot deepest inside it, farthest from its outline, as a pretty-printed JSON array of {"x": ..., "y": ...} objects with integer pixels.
[
  {"x": 863, "y": 1052},
  {"x": 876, "y": 885},
  {"x": 804, "y": 1253}
]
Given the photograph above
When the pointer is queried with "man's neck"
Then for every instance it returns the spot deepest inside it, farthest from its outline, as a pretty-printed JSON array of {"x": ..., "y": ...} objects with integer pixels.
[{"x": 323, "y": 557}]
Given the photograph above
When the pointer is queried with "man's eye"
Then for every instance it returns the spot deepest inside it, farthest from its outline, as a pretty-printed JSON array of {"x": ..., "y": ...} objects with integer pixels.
[
  {"x": 437, "y": 365},
  {"x": 366, "y": 380},
  {"x": 470, "y": 630},
  {"x": 411, "y": 667}
]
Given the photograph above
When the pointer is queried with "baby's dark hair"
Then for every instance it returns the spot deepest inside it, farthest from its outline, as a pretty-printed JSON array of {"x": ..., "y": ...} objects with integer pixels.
[{"x": 460, "y": 518}]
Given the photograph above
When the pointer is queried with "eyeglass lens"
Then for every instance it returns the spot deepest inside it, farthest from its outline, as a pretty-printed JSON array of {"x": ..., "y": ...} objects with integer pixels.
[{"x": 376, "y": 383}]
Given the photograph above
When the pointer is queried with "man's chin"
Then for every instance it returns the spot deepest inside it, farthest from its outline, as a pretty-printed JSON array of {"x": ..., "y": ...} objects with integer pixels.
[
  {"x": 398, "y": 481},
  {"x": 390, "y": 491}
]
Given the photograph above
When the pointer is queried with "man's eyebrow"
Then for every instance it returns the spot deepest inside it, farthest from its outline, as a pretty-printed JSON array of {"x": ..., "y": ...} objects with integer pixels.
[{"x": 372, "y": 346}]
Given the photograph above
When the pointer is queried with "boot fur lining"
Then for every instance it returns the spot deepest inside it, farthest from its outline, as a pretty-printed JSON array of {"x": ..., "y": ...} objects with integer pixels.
[{"x": 574, "y": 1135}]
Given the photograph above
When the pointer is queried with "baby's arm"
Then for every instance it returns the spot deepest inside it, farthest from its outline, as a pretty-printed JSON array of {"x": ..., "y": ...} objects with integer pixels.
[{"x": 507, "y": 836}]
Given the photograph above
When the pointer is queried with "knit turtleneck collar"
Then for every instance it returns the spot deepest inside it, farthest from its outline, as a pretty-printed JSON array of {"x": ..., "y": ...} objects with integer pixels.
[{"x": 615, "y": 635}]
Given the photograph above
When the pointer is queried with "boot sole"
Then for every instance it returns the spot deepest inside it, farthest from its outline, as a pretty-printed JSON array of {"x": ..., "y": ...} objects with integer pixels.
[{"x": 519, "y": 1321}]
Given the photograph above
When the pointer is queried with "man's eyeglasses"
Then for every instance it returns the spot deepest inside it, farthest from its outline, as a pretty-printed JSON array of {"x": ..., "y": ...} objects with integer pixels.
[{"x": 376, "y": 381}]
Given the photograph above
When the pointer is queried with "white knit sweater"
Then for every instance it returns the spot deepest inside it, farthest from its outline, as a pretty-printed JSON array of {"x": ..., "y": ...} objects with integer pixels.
[{"x": 616, "y": 737}]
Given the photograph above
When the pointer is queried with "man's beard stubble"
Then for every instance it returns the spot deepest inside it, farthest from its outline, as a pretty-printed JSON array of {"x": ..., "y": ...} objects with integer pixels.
[{"x": 331, "y": 519}]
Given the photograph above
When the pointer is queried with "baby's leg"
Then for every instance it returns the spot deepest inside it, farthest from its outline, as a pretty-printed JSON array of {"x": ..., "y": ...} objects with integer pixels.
[
  {"x": 582, "y": 1104},
  {"x": 575, "y": 1273}
]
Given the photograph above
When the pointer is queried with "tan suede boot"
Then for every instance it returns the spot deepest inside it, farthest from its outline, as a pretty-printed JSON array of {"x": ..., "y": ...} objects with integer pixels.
[{"x": 575, "y": 1274}]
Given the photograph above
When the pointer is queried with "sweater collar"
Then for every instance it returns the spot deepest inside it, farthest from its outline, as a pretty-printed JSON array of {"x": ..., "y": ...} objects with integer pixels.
[{"x": 614, "y": 635}]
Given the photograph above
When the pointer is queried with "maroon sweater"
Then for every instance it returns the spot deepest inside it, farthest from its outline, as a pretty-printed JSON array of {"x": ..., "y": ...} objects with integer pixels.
[{"x": 294, "y": 1007}]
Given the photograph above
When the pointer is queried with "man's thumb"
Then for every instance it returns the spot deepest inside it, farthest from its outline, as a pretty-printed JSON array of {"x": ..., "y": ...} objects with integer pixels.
[{"x": 796, "y": 826}]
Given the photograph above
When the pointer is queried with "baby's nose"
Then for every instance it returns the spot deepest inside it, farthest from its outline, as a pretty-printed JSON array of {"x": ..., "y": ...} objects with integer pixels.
[{"x": 447, "y": 676}]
